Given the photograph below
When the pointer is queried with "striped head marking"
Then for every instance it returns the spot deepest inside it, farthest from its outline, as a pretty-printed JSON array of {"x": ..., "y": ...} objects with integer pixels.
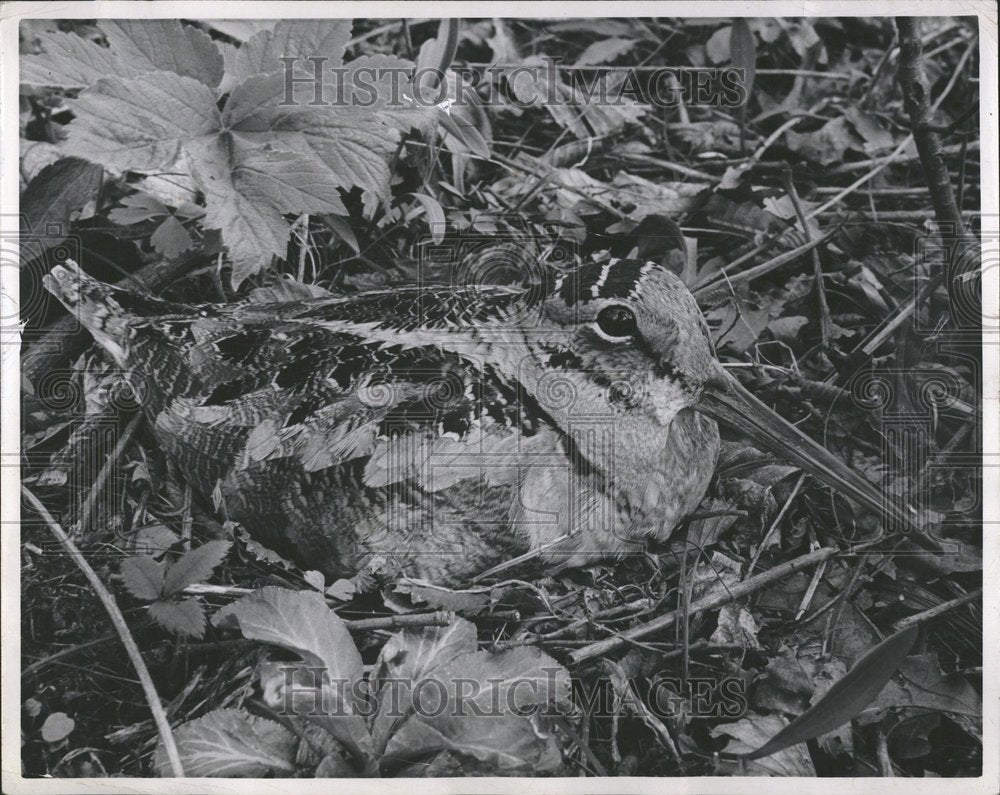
[{"x": 633, "y": 327}]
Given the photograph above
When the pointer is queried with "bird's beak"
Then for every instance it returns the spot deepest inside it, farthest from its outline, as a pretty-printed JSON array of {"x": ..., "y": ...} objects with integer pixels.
[{"x": 726, "y": 401}]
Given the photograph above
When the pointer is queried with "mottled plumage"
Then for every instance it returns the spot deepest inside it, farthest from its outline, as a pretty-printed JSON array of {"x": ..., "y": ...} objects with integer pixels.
[{"x": 431, "y": 430}]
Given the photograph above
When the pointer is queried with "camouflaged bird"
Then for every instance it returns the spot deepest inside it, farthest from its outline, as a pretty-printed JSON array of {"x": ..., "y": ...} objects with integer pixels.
[{"x": 437, "y": 431}]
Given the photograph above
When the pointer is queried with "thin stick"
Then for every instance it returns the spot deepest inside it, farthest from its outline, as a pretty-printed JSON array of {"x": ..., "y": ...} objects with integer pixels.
[
  {"x": 118, "y": 621},
  {"x": 938, "y": 610},
  {"x": 774, "y": 524},
  {"x": 811, "y": 590},
  {"x": 105, "y": 473},
  {"x": 710, "y": 602},
  {"x": 902, "y": 144},
  {"x": 732, "y": 279},
  {"x": 825, "y": 324}
]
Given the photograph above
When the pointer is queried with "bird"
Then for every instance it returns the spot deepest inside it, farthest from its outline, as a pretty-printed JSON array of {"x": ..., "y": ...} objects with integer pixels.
[{"x": 436, "y": 431}]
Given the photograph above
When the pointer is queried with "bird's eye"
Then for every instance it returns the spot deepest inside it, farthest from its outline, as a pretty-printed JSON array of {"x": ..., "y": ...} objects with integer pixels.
[{"x": 616, "y": 323}]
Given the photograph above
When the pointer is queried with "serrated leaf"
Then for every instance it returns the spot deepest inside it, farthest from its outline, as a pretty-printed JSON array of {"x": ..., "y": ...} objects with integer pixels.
[
  {"x": 186, "y": 617},
  {"x": 51, "y": 198},
  {"x": 299, "y": 39},
  {"x": 410, "y": 654},
  {"x": 154, "y": 539},
  {"x": 847, "y": 697},
  {"x": 140, "y": 124},
  {"x": 194, "y": 566},
  {"x": 298, "y": 690},
  {"x": 70, "y": 61},
  {"x": 507, "y": 743},
  {"x": 299, "y": 621},
  {"x": 143, "y": 577},
  {"x": 259, "y": 158},
  {"x": 149, "y": 45},
  {"x": 137, "y": 208},
  {"x": 171, "y": 238},
  {"x": 57, "y": 727},
  {"x": 315, "y": 579},
  {"x": 231, "y": 744},
  {"x": 494, "y": 688}
]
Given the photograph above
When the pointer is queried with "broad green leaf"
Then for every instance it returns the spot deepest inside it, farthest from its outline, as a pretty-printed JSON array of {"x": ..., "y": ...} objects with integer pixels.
[
  {"x": 57, "y": 727},
  {"x": 143, "y": 577},
  {"x": 51, "y": 198},
  {"x": 194, "y": 566},
  {"x": 137, "y": 208},
  {"x": 186, "y": 617},
  {"x": 252, "y": 233},
  {"x": 298, "y": 621},
  {"x": 793, "y": 761},
  {"x": 299, "y": 39},
  {"x": 140, "y": 124},
  {"x": 227, "y": 743},
  {"x": 294, "y": 689},
  {"x": 924, "y": 685},
  {"x": 484, "y": 692},
  {"x": 848, "y": 696},
  {"x": 509, "y": 743},
  {"x": 348, "y": 144},
  {"x": 149, "y": 45},
  {"x": 256, "y": 159},
  {"x": 136, "y": 47},
  {"x": 171, "y": 238},
  {"x": 70, "y": 61},
  {"x": 412, "y": 653}
]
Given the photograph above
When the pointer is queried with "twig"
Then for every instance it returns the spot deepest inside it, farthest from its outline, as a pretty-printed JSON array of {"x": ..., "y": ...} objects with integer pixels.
[
  {"x": 439, "y": 618},
  {"x": 825, "y": 324},
  {"x": 686, "y": 171},
  {"x": 102, "y": 476},
  {"x": 938, "y": 610},
  {"x": 877, "y": 71},
  {"x": 916, "y": 99},
  {"x": 774, "y": 525},
  {"x": 897, "y": 152},
  {"x": 726, "y": 276},
  {"x": 857, "y": 165},
  {"x": 807, "y": 598},
  {"x": 710, "y": 602},
  {"x": 121, "y": 627}
]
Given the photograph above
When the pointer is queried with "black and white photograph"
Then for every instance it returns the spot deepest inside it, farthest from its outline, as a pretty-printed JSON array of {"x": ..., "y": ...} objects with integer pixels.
[{"x": 601, "y": 396}]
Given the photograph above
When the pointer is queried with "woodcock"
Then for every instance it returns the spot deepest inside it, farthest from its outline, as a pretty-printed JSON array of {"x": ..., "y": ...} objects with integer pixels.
[{"x": 438, "y": 430}]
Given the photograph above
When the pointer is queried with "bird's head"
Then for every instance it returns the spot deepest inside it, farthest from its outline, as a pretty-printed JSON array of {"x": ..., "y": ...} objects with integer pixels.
[
  {"x": 633, "y": 334},
  {"x": 631, "y": 331}
]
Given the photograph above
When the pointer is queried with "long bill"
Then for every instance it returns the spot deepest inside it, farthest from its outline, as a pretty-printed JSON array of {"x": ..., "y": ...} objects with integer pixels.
[{"x": 725, "y": 400}]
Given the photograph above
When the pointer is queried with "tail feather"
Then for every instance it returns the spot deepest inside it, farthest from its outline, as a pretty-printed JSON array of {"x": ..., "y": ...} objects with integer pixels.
[{"x": 94, "y": 304}]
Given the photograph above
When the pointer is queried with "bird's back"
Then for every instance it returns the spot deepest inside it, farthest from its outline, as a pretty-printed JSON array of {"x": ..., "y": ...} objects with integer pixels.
[{"x": 343, "y": 432}]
